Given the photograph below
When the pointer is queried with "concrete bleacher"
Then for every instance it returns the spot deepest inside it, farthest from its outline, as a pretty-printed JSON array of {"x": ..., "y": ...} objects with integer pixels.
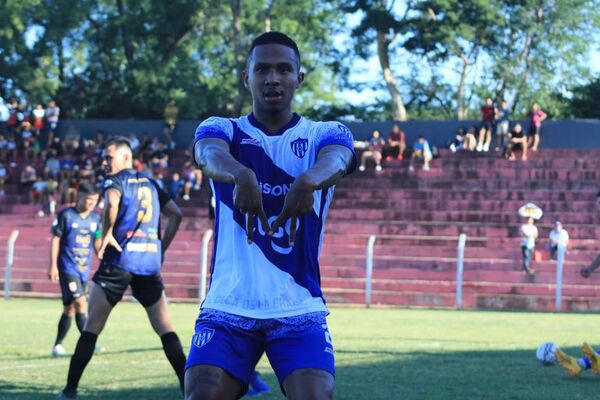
[{"x": 417, "y": 217}]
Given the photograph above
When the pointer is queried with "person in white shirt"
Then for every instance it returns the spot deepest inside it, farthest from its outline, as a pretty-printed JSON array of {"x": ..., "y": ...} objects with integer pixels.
[
  {"x": 558, "y": 237},
  {"x": 529, "y": 233}
]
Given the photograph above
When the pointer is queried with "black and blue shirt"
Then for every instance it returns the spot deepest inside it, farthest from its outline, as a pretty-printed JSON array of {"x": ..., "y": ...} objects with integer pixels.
[
  {"x": 137, "y": 227},
  {"x": 77, "y": 236}
]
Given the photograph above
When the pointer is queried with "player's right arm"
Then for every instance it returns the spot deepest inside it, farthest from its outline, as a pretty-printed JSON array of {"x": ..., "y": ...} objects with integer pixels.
[
  {"x": 212, "y": 154},
  {"x": 57, "y": 230},
  {"x": 53, "y": 268}
]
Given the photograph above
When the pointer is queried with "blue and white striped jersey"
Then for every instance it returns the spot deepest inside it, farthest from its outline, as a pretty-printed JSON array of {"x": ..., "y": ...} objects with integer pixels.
[{"x": 269, "y": 279}]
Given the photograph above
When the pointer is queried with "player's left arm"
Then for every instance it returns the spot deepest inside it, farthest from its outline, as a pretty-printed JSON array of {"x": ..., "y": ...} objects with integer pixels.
[
  {"x": 97, "y": 241},
  {"x": 333, "y": 163},
  {"x": 174, "y": 215},
  {"x": 111, "y": 209}
]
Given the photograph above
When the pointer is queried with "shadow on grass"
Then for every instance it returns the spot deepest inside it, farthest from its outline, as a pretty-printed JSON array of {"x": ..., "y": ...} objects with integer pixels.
[
  {"x": 10, "y": 391},
  {"x": 391, "y": 375},
  {"x": 67, "y": 356}
]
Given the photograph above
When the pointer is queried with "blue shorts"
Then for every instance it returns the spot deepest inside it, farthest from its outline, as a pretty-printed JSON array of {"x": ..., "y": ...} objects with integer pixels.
[{"x": 235, "y": 343}]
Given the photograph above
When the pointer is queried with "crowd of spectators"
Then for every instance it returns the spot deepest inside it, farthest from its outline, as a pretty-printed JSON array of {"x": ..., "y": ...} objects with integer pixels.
[
  {"x": 510, "y": 135},
  {"x": 49, "y": 169}
]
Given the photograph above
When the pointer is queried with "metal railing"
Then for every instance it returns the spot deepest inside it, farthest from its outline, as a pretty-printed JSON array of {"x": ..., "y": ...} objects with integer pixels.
[
  {"x": 10, "y": 256},
  {"x": 204, "y": 265},
  {"x": 369, "y": 269},
  {"x": 460, "y": 256},
  {"x": 560, "y": 262}
]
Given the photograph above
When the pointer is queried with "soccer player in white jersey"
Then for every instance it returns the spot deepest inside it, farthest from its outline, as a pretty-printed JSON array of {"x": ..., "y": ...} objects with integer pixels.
[{"x": 272, "y": 174}]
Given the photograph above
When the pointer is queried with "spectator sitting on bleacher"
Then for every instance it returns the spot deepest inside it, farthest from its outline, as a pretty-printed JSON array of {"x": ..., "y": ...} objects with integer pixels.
[
  {"x": 176, "y": 186},
  {"x": 192, "y": 174},
  {"x": 38, "y": 119},
  {"x": 421, "y": 152},
  {"x": 395, "y": 144},
  {"x": 38, "y": 193},
  {"x": 52, "y": 167},
  {"x": 28, "y": 177},
  {"x": 27, "y": 141},
  {"x": 3, "y": 177},
  {"x": 517, "y": 141},
  {"x": 57, "y": 145},
  {"x": 558, "y": 237},
  {"x": 373, "y": 151},
  {"x": 457, "y": 143}
]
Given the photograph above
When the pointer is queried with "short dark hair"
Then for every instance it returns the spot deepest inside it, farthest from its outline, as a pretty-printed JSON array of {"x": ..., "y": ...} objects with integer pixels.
[
  {"x": 118, "y": 142},
  {"x": 86, "y": 189},
  {"x": 274, "y": 38}
]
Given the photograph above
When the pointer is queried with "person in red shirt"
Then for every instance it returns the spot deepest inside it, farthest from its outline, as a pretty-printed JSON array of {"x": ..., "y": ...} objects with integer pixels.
[
  {"x": 488, "y": 115},
  {"x": 394, "y": 144}
]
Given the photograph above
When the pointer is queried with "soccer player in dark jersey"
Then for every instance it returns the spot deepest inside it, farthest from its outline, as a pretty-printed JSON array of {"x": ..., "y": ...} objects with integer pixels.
[
  {"x": 75, "y": 236},
  {"x": 273, "y": 174},
  {"x": 131, "y": 254}
]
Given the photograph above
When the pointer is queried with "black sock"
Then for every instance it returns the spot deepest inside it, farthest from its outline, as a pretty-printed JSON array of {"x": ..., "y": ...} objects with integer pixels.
[
  {"x": 79, "y": 360},
  {"x": 174, "y": 353},
  {"x": 64, "y": 324},
  {"x": 80, "y": 320}
]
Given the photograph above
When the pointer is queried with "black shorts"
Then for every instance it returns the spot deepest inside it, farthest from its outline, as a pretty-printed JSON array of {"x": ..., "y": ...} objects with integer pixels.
[
  {"x": 147, "y": 289},
  {"x": 488, "y": 126},
  {"x": 72, "y": 287},
  {"x": 534, "y": 130}
]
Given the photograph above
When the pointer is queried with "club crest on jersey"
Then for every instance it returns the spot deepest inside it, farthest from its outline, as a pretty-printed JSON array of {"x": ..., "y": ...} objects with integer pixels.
[
  {"x": 93, "y": 226},
  {"x": 299, "y": 147},
  {"x": 203, "y": 337}
]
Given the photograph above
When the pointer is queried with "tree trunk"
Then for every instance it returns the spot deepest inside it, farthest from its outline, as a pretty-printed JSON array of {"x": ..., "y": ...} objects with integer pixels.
[
  {"x": 268, "y": 7},
  {"x": 398, "y": 109},
  {"x": 461, "y": 112},
  {"x": 529, "y": 43},
  {"x": 236, "y": 10}
]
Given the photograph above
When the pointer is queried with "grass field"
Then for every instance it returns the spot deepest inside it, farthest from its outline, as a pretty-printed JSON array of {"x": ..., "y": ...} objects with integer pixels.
[{"x": 381, "y": 354}]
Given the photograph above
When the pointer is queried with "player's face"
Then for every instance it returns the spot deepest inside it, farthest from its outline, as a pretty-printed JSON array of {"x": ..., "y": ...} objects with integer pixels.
[
  {"x": 115, "y": 160},
  {"x": 272, "y": 77},
  {"x": 87, "y": 203}
]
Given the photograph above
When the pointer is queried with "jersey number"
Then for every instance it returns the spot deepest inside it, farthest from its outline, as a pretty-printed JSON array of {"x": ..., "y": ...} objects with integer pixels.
[{"x": 145, "y": 197}]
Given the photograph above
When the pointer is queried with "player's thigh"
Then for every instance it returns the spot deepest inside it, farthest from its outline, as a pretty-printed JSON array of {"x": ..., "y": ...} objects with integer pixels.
[
  {"x": 302, "y": 357},
  {"x": 159, "y": 317},
  {"x": 208, "y": 382},
  {"x": 227, "y": 348},
  {"x": 80, "y": 305},
  {"x": 71, "y": 288},
  {"x": 98, "y": 311},
  {"x": 309, "y": 384}
]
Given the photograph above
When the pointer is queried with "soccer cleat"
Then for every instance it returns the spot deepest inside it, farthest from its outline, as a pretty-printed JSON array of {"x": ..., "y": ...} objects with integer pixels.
[
  {"x": 257, "y": 385},
  {"x": 568, "y": 363},
  {"x": 378, "y": 168},
  {"x": 67, "y": 395},
  {"x": 593, "y": 358},
  {"x": 426, "y": 168},
  {"x": 58, "y": 350}
]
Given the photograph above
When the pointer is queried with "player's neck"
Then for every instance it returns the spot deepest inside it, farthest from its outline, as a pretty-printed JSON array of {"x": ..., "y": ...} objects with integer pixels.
[
  {"x": 273, "y": 122},
  {"x": 84, "y": 214}
]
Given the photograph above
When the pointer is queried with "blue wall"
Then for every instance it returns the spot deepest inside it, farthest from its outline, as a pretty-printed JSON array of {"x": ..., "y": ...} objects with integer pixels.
[{"x": 578, "y": 133}]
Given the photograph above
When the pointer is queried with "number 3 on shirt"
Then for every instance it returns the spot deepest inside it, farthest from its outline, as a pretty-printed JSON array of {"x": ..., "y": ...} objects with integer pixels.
[{"x": 144, "y": 195}]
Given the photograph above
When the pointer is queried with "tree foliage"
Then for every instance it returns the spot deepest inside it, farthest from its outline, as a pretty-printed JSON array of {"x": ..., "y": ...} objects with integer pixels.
[{"x": 124, "y": 58}]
